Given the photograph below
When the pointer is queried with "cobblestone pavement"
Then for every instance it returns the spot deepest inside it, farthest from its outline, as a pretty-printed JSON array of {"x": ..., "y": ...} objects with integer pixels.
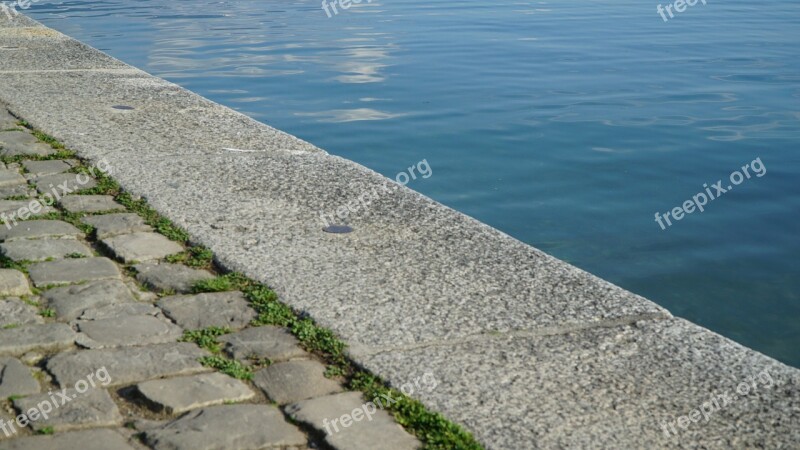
[{"x": 93, "y": 351}]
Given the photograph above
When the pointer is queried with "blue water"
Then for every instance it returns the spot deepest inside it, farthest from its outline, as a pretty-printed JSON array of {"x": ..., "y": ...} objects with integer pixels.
[{"x": 565, "y": 124}]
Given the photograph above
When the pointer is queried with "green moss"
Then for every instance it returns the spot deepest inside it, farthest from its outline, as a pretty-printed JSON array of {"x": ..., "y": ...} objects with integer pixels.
[
  {"x": 46, "y": 431},
  {"x": 206, "y": 338},
  {"x": 47, "y": 312},
  {"x": 228, "y": 282},
  {"x": 227, "y": 366},
  {"x": 195, "y": 256}
]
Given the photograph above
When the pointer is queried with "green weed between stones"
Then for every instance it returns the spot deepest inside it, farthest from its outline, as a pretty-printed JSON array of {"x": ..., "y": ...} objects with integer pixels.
[
  {"x": 435, "y": 431},
  {"x": 206, "y": 338},
  {"x": 227, "y": 366}
]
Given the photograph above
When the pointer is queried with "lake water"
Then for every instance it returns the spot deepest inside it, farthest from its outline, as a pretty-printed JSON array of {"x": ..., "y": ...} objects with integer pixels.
[{"x": 565, "y": 124}]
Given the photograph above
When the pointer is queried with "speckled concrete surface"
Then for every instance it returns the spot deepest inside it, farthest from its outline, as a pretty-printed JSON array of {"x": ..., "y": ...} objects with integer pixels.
[{"x": 530, "y": 351}]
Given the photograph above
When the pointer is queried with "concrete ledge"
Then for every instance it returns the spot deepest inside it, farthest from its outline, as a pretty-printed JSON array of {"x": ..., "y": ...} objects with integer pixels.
[{"x": 529, "y": 351}]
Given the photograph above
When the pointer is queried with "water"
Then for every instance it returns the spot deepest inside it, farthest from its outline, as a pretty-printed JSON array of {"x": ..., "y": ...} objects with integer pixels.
[{"x": 564, "y": 124}]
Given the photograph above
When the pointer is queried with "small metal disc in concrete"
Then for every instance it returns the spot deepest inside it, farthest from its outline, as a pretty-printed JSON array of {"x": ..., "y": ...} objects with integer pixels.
[
  {"x": 46, "y": 337},
  {"x": 99, "y": 439},
  {"x": 351, "y": 423},
  {"x": 181, "y": 394},
  {"x": 89, "y": 203},
  {"x": 70, "y": 302},
  {"x": 216, "y": 309},
  {"x": 15, "y": 312},
  {"x": 42, "y": 249},
  {"x": 64, "y": 183},
  {"x": 91, "y": 408},
  {"x": 293, "y": 381},
  {"x": 14, "y": 143},
  {"x": 230, "y": 427},
  {"x": 109, "y": 225},
  {"x": 125, "y": 331},
  {"x": 270, "y": 342},
  {"x": 68, "y": 271},
  {"x": 16, "y": 379},
  {"x": 170, "y": 277},
  {"x": 39, "y": 229},
  {"x": 11, "y": 178},
  {"x": 141, "y": 246},
  {"x": 128, "y": 365},
  {"x": 13, "y": 283},
  {"x": 44, "y": 168}
]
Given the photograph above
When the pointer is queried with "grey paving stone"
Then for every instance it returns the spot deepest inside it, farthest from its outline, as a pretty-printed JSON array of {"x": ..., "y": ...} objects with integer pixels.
[
  {"x": 39, "y": 229},
  {"x": 181, "y": 394},
  {"x": 64, "y": 183},
  {"x": 141, "y": 246},
  {"x": 92, "y": 408},
  {"x": 89, "y": 203},
  {"x": 170, "y": 277},
  {"x": 122, "y": 310},
  {"x": 16, "y": 379},
  {"x": 100, "y": 439},
  {"x": 273, "y": 343},
  {"x": 43, "y": 168},
  {"x": 109, "y": 225},
  {"x": 13, "y": 143},
  {"x": 366, "y": 425},
  {"x": 293, "y": 381},
  {"x": 11, "y": 178},
  {"x": 128, "y": 365},
  {"x": 16, "y": 191},
  {"x": 13, "y": 213},
  {"x": 13, "y": 283},
  {"x": 41, "y": 249},
  {"x": 125, "y": 331},
  {"x": 68, "y": 271},
  {"x": 46, "y": 337},
  {"x": 70, "y": 302},
  {"x": 14, "y": 312},
  {"x": 220, "y": 309},
  {"x": 229, "y": 427}
]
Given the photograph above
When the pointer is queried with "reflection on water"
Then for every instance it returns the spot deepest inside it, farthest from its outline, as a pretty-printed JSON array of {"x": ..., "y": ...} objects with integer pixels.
[{"x": 565, "y": 124}]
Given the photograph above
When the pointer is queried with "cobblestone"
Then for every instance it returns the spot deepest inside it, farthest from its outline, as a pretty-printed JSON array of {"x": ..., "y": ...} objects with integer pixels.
[
  {"x": 177, "y": 395},
  {"x": 73, "y": 271},
  {"x": 230, "y": 427},
  {"x": 139, "y": 247},
  {"x": 292, "y": 381}
]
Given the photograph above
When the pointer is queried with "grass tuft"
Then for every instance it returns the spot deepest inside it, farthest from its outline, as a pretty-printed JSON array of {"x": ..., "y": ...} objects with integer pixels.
[
  {"x": 206, "y": 338},
  {"x": 227, "y": 366}
]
